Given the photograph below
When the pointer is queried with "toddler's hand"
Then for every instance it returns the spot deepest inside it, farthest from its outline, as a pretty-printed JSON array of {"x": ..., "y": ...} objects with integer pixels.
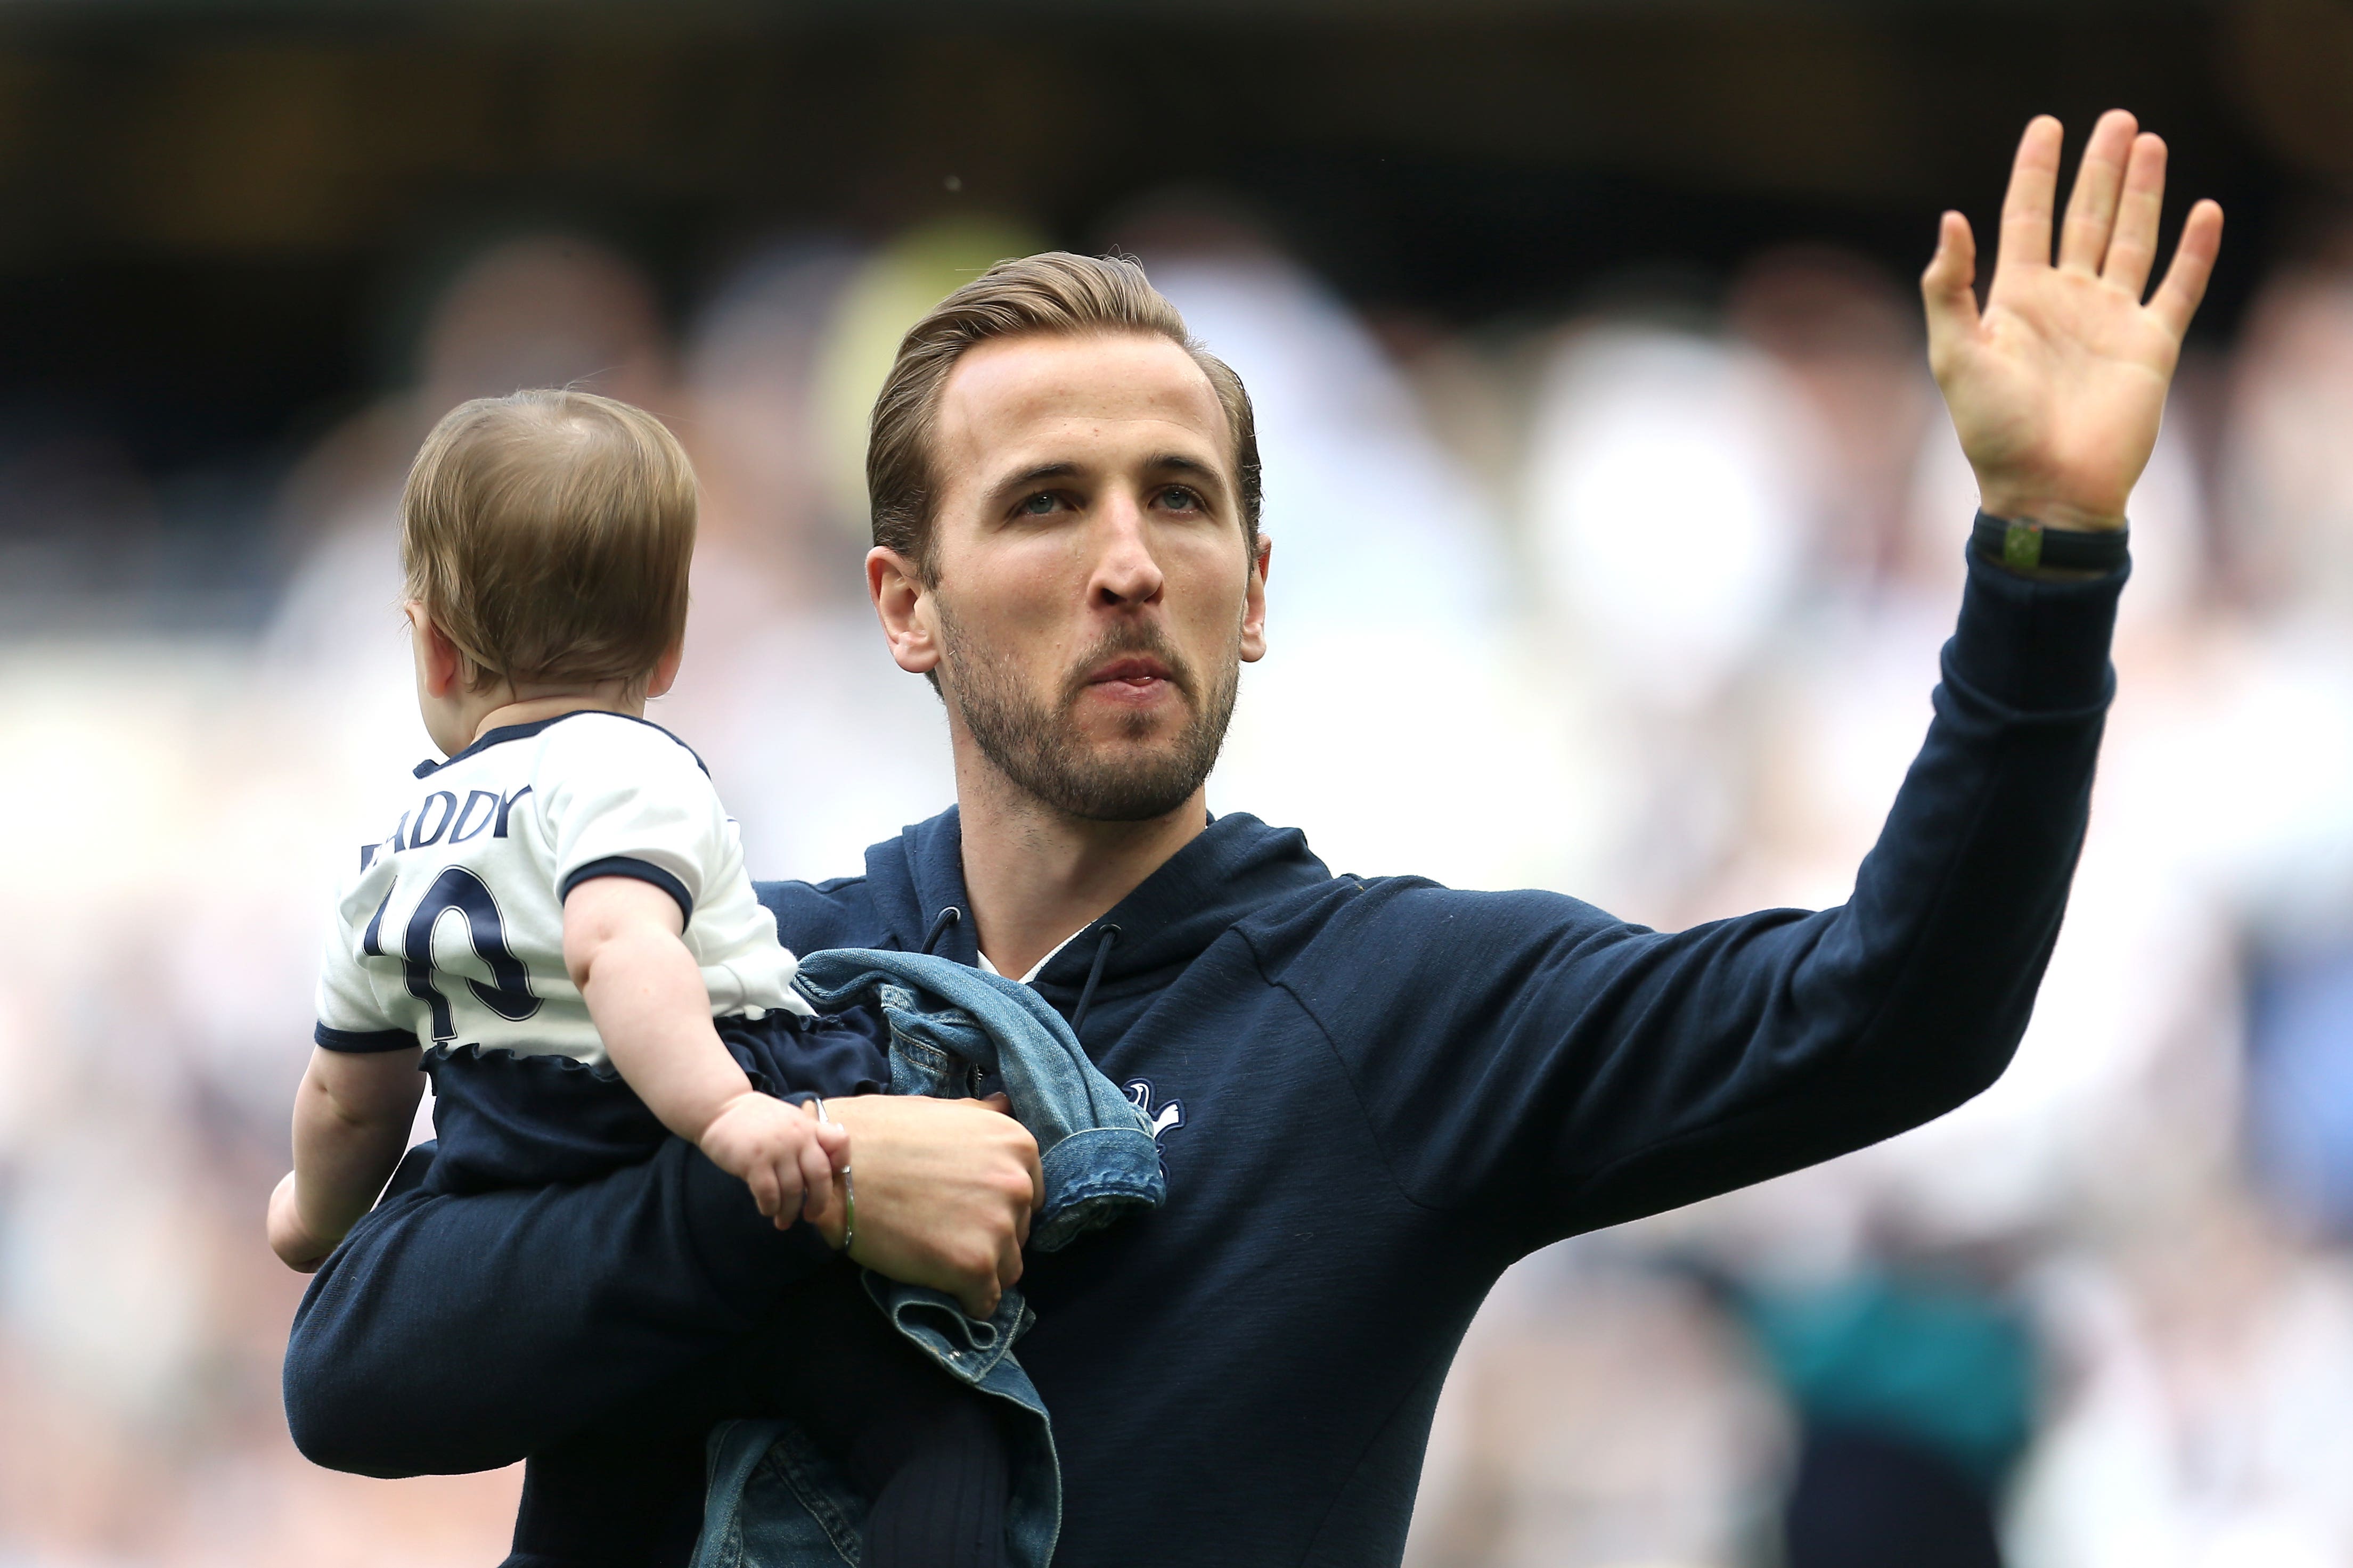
[
  {"x": 780, "y": 1152},
  {"x": 296, "y": 1246}
]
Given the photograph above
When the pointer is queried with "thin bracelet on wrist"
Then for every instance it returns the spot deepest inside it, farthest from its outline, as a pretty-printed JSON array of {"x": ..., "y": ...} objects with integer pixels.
[
  {"x": 849, "y": 1188},
  {"x": 2021, "y": 544}
]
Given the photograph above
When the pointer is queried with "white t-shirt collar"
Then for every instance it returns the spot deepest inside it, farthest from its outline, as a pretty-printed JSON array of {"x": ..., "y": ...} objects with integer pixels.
[{"x": 1042, "y": 963}]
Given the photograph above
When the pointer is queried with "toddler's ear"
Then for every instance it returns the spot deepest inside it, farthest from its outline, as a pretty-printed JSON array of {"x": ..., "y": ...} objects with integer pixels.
[
  {"x": 665, "y": 673},
  {"x": 439, "y": 665}
]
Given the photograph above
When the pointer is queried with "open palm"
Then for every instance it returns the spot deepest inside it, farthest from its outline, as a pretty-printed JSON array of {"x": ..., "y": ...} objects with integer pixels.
[{"x": 2056, "y": 388}]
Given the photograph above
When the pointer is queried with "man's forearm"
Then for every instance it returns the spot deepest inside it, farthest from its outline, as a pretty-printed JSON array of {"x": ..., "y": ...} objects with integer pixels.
[
  {"x": 1871, "y": 1019},
  {"x": 454, "y": 1333},
  {"x": 461, "y": 1332}
]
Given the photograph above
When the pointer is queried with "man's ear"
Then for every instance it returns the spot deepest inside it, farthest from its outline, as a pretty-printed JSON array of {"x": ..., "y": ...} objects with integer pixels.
[
  {"x": 1254, "y": 603},
  {"x": 439, "y": 665},
  {"x": 904, "y": 605}
]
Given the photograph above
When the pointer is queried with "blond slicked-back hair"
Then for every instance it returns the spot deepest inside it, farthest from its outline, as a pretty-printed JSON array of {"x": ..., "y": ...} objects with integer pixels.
[
  {"x": 548, "y": 534},
  {"x": 1052, "y": 293}
]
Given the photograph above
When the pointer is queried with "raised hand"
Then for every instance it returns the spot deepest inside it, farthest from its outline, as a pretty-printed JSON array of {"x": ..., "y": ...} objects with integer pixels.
[{"x": 2056, "y": 388}]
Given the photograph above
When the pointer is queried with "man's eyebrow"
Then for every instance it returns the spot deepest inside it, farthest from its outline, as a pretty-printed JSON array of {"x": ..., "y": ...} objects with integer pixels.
[
  {"x": 1031, "y": 475},
  {"x": 1158, "y": 463},
  {"x": 1178, "y": 462}
]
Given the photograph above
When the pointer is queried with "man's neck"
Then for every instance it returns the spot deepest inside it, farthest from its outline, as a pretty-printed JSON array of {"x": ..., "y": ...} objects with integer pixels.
[{"x": 1036, "y": 875}]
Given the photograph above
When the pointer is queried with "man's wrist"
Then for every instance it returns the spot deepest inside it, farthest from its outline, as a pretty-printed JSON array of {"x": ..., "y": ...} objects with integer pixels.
[
  {"x": 845, "y": 1110},
  {"x": 2024, "y": 547},
  {"x": 2050, "y": 511},
  {"x": 2034, "y": 645}
]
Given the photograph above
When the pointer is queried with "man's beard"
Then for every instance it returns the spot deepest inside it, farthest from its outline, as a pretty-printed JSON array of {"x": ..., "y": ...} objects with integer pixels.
[{"x": 1040, "y": 747}]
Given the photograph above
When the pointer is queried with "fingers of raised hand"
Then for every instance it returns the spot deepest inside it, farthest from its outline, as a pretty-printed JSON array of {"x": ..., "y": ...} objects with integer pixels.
[
  {"x": 2132, "y": 248},
  {"x": 2026, "y": 207},
  {"x": 1948, "y": 287},
  {"x": 2112, "y": 220},
  {"x": 2177, "y": 297},
  {"x": 2092, "y": 204}
]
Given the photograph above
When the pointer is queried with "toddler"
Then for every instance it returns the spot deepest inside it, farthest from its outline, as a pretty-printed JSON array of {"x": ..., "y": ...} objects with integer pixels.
[{"x": 559, "y": 930}]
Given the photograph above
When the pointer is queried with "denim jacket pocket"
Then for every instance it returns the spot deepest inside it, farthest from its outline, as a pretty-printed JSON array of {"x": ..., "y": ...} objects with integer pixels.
[{"x": 774, "y": 1501}]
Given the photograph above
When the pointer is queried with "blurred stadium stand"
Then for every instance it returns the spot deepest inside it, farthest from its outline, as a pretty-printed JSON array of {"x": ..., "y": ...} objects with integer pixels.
[
  {"x": 1491, "y": 266},
  {"x": 207, "y": 205}
]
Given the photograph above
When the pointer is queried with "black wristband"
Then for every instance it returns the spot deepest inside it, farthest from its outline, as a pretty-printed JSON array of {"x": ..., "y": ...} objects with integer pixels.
[{"x": 2023, "y": 545}]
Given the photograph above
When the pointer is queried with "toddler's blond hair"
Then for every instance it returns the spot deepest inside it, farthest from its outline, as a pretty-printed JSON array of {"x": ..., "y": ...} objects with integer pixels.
[{"x": 548, "y": 534}]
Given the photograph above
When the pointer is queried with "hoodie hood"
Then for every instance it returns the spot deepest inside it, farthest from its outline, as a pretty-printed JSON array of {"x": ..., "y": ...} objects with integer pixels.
[{"x": 1233, "y": 869}]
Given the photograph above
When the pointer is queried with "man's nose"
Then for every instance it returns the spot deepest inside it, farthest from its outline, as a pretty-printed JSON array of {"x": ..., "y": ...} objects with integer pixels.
[{"x": 1125, "y": 572}]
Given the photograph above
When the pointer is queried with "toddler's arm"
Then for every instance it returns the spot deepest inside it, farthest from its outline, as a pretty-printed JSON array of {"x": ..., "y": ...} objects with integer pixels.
[
  {"x": 622, "y": 946},
  {"x": 352, "y": 1117}
]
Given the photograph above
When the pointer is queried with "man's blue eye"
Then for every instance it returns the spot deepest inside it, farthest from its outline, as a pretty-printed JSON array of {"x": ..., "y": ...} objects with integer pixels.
[
  {"x": 1038, "y": 505},
  {"x": 1178, "y": 496}
]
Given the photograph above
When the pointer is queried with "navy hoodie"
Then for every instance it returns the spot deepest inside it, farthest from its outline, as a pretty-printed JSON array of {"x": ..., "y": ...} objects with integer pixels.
[{"x": 1374, "y": 1094}]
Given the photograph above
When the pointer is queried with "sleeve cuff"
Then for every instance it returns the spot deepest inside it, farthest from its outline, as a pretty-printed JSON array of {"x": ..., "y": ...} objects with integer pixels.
[
  {"x": 362, "y": 1041},
  {"x": 629, "y": 866},
  {"x": 2035, "y": 646}
]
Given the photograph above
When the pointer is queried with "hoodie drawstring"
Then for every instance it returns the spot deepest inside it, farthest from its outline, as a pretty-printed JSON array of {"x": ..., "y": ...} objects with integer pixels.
[
  {"x": 947, "y": 917},
  {"x": 1095, "y": 976}
]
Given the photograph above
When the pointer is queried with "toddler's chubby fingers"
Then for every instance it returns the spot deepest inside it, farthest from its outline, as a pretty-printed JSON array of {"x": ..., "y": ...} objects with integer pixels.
[
  {"x": 817, "y": 1168},
  {"x": 786, "y": 1173},
  {"x": 762, "y": 1179},
  {"x": 834, "y": 1139}
]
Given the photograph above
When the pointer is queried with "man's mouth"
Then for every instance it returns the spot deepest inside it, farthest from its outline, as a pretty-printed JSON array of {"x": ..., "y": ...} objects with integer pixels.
[{"x": 1135, "y": 674}]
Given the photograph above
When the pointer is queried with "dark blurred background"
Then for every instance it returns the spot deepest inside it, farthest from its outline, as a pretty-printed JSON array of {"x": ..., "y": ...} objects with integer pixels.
[
  {"x": 1603, "y": 467},
  {"x": 222, "y": 223}
]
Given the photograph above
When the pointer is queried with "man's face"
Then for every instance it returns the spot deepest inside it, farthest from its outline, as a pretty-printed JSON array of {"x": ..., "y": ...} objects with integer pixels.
[{"x": 1091, "y": 597}]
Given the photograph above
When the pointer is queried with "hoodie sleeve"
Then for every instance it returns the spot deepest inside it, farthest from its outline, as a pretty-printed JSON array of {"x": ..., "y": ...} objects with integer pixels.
[{"x": 1560, "y": 1070}]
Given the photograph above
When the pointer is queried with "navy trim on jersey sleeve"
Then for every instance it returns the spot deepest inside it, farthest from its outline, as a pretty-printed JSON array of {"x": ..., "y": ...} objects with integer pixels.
[
  {"x": 630, "y": 866},
  {"x": 361, "y": 1042}
]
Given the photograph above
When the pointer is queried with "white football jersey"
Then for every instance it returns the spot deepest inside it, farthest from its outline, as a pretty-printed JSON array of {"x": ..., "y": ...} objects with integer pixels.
[{"x": 452, "y": 934}]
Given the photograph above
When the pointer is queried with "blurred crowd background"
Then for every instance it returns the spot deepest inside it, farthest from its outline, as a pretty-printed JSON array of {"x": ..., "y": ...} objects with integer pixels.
[{"x": 1617, "y": 526}]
